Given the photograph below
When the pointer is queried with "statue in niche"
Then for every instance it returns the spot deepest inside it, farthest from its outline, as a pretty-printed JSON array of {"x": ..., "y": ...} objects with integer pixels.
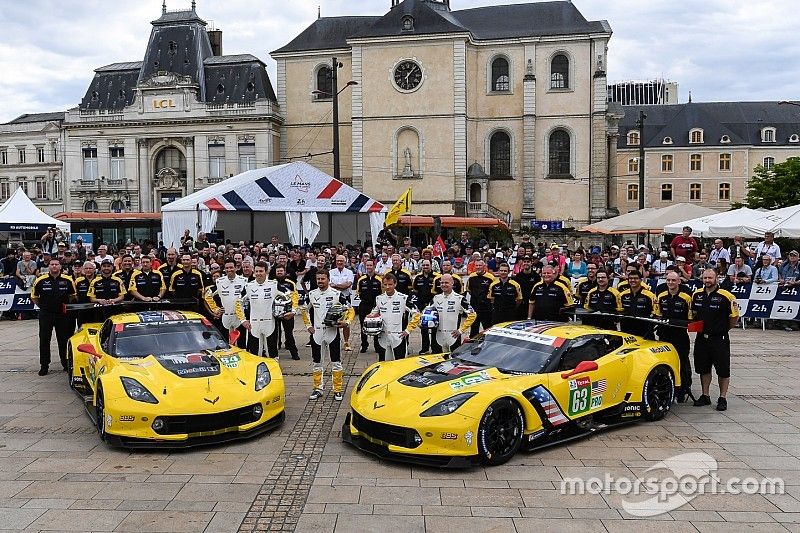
[{"x": 408, "y": 171}]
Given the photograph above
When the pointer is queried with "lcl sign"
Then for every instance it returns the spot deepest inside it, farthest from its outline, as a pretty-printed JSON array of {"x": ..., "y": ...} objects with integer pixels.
[{"x": 164, "y": 103}]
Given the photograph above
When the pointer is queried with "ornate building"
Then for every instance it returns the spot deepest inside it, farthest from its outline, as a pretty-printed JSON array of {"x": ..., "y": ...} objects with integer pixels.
[
  {"x": 700, "y": 152},
  {"x": 482, "y": 111},
  {"x": 151, "y": 131}
]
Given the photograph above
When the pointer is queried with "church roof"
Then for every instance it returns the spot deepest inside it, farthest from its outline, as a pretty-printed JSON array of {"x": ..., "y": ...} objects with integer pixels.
[
  {"x": 430, "y": 18},
  {"x": 742, "y": 122}
]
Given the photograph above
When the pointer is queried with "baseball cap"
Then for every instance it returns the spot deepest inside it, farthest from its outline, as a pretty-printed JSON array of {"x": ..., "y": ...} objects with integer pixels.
[
  {"x": 643, "y": 246},
  {"x": 61, "y": 244},
  {"x": 680, "y": 258},
  {"x": 793, "y": 252},
  {"x": 663, "y": 254},
  {"x": 498, "y": 254},
  {"x": 614, "y": 247},
  {"x": 107, "y": 260}
]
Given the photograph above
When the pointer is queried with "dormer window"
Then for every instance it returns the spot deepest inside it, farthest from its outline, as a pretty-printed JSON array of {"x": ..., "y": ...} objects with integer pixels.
[
  {"x": 408, "y": 23},
  {"x": 696, "y": 136},
  {"x": 667, "y": 140},
  {"x": 633, "y": 138},
  {"x": 767, "y": 135},
  {"x": 725, "y": 139},
  {"x": 794, "y": 138}
]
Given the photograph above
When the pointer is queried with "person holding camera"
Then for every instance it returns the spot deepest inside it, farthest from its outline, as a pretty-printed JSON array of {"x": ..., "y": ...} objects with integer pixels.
[{"x": 766, "y": 271}]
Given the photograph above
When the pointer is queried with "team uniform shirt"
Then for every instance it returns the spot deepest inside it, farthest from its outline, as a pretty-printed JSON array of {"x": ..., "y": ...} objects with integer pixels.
[
  {"x": 450, "y": 309},
  {"x": 106, "y": 288},
  {"x": 606, "y": 301},
  {"x": 505, "y": 296},
  {"x": 404, "y": 280},
  {"x": 319, "y": 302},
  {"x": 582, "y": 289},
  {"x": 677, "y": 306},
  {"x": 230, "y": 293},
  {"x": 640, "y": 304},
  {"x": 82, "y": 289},
  {"x": 339, "y": 277},
  {"x": 368, "y": 288},
  {"x": 550, "y": 300},
  {"x": 167, "y": 271},
  {"x": 148, "y": 284},
  {"x": 715, "y": 309},
  {"x": 53, "y": 293},
  {"x": 184, "y": 284},
  {"x": 423, "y": 288},
  {"x": 458, "y": 285},
  {"x": 125, "y": 276},
  {"x": 399, "y": 313},
  {"x": 526, "y": 281},
  {"x": 478, "y": 288}
]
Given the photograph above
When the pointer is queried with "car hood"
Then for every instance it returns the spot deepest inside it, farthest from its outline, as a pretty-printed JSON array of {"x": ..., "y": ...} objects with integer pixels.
[{"x": 455, "y": 371}]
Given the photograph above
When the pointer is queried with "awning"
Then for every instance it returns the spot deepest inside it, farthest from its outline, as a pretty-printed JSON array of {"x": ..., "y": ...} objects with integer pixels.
[
  {"x": 416, "y": 221},
  {"x": 649, "y": 220},
  {"x": 19, "y": 213},
  {"x": 784, "y": 222}
]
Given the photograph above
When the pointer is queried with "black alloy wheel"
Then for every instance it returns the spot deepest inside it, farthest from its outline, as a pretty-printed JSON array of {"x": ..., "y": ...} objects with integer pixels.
[
  {"x": 500, "y": 432},
  {"x": 100, "y": 412},
  {"x": 658, "y": 393}
]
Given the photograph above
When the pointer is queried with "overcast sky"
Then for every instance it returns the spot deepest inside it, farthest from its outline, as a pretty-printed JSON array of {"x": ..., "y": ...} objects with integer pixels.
[{"x": 720, "y": 50}]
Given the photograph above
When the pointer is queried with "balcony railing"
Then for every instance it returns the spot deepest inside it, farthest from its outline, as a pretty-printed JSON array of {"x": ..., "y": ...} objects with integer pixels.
[
  {"x": 212, "y": 181},
  {"x": 116, "y": 182},
  {"x": 87, "y": 183}
]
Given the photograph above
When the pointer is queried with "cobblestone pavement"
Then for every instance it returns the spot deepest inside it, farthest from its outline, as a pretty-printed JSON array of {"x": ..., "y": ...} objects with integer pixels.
[{"x": 55, "y": 474}]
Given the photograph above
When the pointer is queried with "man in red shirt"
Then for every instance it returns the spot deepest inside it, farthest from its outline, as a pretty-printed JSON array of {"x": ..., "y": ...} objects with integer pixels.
[{"x": 685, "y": 245}]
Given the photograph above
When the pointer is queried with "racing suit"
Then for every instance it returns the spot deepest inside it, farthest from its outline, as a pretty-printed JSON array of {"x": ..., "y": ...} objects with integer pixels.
[
  {"x": 326, "y": 338},
  {"x": 230, "y": 296},
  {"x": 399, "y": 313},
  {"x": 450, "y": 309},
  {"x": 260, "y": 297}
]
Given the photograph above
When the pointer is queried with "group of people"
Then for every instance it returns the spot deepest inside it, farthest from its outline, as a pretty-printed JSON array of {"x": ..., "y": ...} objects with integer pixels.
[{"x": 255, "y": 291}]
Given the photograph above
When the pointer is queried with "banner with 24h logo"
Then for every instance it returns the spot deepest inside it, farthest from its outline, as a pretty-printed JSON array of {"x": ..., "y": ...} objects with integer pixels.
[
  {"x": 12, "y": 298},
  {"x": 764, "y": 300}
]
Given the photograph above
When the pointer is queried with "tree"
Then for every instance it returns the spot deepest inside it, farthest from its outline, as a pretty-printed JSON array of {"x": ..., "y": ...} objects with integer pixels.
[{"x": 774, "y": 188}]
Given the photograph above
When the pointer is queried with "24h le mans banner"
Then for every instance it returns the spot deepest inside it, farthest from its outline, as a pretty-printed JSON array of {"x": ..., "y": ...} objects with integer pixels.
[
  {"x": 12, "y": 298},
  {"x": 764, "y": 300}
]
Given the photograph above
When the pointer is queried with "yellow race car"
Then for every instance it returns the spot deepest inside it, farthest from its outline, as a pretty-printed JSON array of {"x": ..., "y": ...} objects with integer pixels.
[
  {"x": 521, "y": 384},
  {"x": 169, "y": 379}
]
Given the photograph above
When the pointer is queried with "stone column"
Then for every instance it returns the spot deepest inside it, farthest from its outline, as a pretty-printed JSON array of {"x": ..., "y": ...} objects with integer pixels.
[
  {"x": 357, "y": 104},
  {"x": 529, "y": 138},
  {"x": 188, "y": 142},
  {"x": 598, "y": 177},
  {"x": 459, "y": 121},
  {"x": 143, "y": 177}
]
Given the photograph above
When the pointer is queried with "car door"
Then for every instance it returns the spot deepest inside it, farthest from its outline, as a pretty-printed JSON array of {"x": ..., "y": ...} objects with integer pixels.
[{"x": 582, "y": 392}]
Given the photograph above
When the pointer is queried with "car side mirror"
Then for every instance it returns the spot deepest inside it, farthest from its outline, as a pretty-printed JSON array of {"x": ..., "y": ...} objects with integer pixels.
[
  {"x": 88, "y": 349},
  {"x": 583, "y": 366}
]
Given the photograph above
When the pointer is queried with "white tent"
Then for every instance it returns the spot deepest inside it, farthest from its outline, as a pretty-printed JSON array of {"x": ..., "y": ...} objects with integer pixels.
[
  {"x": 297, "y": 190},
  {"x": 700, "y": 226},
  {"x": 19, "y": 214},
  {"x": 783, "y": 222},
  {"x": 648, "y": 220}
]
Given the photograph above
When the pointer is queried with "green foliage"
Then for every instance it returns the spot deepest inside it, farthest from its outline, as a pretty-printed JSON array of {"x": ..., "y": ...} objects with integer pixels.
[{"x": 775, "y": 188}]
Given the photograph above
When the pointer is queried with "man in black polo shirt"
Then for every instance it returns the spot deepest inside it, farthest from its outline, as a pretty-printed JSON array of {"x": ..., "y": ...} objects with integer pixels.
[
  {"x": 186, "y": 283},
  {"x": 505, "y": 295},
  {"x": 478, "y": 289},
  {"x": 526, "y": 278},
  {"x": 637, "y": 302},
  {"x": 170, "y": 266},
  {"x": 550, "y": 297},
  {"x": 106, "y": 289},
  {"x": 125, "y": 272},
  {"x": 147, "y": 285},
  {"x": 368, "y": 287},
  {"x": 604, "y": 299},
  {"x": 51, "y": 293},
  {"x": 423, "y": 287},
  {"x": 717, "y": 309},
  {"x": 675, "y": 303},
  {"x": 82, "y": 284}
]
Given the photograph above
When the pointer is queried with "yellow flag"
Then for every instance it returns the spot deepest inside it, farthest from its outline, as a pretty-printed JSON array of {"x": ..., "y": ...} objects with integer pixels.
[{"x": 400, "y": 207}]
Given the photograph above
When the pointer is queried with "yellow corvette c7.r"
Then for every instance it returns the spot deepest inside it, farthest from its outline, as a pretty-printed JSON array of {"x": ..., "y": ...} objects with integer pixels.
[
  {"x": 520, "y": 384},
  {"x": 169, "y": 379}
]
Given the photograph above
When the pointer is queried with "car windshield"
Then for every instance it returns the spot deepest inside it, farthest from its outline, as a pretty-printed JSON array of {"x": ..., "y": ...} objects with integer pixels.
[
  {"x": 509, "y": 352},
  {"x": 161, "y": 338}
]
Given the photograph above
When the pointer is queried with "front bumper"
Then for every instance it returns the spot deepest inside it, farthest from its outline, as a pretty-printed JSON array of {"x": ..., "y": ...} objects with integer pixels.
[
  {"x": 425, "y": 454},
  {"x": 196, "y": 439}
]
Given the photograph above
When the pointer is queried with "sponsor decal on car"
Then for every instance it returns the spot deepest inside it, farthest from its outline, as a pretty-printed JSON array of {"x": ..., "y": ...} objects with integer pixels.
[
  {"x": 449, "y": 436},
  {"x": 585, "y": 395},
  {"x": 126, "y": 418},
  {"x": 468, "y": 381},
  {"x": 230, "y": 361},
  {"x": 659, "y": 349}
]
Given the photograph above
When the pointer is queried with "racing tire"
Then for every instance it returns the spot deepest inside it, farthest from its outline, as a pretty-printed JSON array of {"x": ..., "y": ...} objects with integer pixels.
[
  {"x": 500, "y": 432},
  {"x": 69, "y": 366},
  {"x": 658, "y": 393},
  {"x": 100, "y": 412}
]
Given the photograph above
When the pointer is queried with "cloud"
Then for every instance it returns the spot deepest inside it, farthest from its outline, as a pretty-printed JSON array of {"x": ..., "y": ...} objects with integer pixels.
[{"x": 720, "y": 50}]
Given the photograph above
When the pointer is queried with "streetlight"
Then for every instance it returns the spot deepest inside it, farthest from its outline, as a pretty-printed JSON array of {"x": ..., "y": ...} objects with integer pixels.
[{"x": 335, "y": 97}]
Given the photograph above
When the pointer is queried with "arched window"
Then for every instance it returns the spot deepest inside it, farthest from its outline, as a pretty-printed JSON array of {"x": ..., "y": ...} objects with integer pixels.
[
  {"x": 500, "y": 155},
  {"x": 171, "y": 158},
  {"x": 90, "y": 206},
  {"x": 324, "y": 83},
  {"x": 559, "y": 72},
  {"x": 500, "y": 75},
  {"x": 475, "y": 193},
  {"x": 559, "y": 154},
  {"x": 117, "y": 206}
]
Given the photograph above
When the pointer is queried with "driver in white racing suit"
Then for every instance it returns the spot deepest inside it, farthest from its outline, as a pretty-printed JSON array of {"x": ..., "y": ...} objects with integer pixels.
[
  {"x": 400, "y": 317},
  {"x": 260, "y": 295},
  {"x": 326, "y": 337},
  {"x": 229, "y": 288},
  {"x": 450, "y": 306}
]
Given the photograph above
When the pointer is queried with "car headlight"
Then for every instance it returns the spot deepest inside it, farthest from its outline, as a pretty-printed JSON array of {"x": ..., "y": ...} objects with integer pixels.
[
  {"x": 365, "y": 378},
  {"x": 445, "y": 407},
  {"x": 137, "y": 391},
  {"x": 263, "y": 376}
]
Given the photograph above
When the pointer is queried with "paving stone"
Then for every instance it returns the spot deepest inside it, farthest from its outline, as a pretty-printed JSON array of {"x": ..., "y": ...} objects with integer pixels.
[
  {"x": 226, "y": 522},
  {"x": 79, "y": 520},
  {"x": 557, "y": 525},
  {"x": 165, "y": 521},
  {"x": 18, "y": 518},
  {"x": 440, "y": 524},
  {"x": 484, "y": 497},
  {"x": 49, "y": 503},
  {"x": 400, "y": 496},
  {"x": 378, "y": 523}
]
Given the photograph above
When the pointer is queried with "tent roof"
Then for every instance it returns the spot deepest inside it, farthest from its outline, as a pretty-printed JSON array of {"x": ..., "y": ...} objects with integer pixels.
[
  {"x": 649, "y": 219},
  {"x": 295, "y": 186},
  {"x": 784, "y": 222},
  {"x": 700, "y": 225},
  {"x": 18, "y": 213}
]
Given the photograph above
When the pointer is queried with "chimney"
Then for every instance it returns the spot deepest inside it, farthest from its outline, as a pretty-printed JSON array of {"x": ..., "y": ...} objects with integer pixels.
[{"x": 215, "y": 37}]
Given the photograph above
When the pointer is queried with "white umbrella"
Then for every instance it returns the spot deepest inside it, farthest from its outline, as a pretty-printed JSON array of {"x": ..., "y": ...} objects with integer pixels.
[
  {"x": 700, "y": 226},
  {"x": 783, "y": 222}
]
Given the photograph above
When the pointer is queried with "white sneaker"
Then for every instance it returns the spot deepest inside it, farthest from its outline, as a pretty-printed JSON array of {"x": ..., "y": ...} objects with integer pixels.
[
  {"x": 338, "y": 396},
  {"x": 316, "y": 394}
]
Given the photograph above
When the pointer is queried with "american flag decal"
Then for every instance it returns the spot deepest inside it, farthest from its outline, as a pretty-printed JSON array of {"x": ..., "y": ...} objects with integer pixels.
[
  {"x": 551, "y": 409},
  {"x": 598, "y": 387}
]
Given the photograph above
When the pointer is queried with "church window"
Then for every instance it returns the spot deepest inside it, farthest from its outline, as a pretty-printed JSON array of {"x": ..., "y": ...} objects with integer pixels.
[
  {"x": 501, "y": 80},
  {"x": 559, "y": 152},
  {"x": 559, "y": 72},
  {"x": 500, "y": 155}
]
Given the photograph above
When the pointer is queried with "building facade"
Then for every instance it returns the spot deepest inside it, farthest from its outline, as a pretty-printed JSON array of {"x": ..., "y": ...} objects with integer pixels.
[
  {"x": 482, "y": 111},
  {"x": 185, "y": 116},
  {"x": 31, "y": 158},
  {"x": 702, "y": 153},
  {"x": 652, "y": 92}
]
